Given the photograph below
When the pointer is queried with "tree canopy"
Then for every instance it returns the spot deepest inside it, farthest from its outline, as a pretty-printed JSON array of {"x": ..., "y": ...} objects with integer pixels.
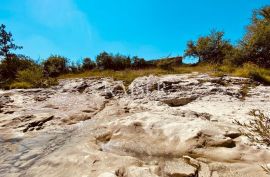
[
  {"x": 6, "y": 42},
  {"x": 212, "y": 48},
  {"x": 255, "y": 45}
]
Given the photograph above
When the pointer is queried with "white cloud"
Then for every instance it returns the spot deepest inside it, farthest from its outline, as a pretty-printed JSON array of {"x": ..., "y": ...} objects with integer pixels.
[
  {"x": 60, "y": 26},
  {"x": 65, "y": 15},
  {"x": 47, "y": 27}
]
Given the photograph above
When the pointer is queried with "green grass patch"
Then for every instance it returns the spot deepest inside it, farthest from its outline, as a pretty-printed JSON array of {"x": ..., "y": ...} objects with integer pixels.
[{"x": 21, "y": 85}]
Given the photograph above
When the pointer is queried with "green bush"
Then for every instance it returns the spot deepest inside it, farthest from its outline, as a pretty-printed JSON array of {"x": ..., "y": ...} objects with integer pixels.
[
  {"x": 35, "y": 78},
  {"x": 10, "y": 67},
  {"x": 88, "y": 64},
  {"x": 138, "y": 63},
  {"x": 55, "y": 65},
  {"x": 113, "y": 62},
  {"x": 121, "y": 62}
]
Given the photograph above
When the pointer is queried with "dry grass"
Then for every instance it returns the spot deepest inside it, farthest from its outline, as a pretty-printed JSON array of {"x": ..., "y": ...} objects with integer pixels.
[
  {"x": 248, "y": 71},
  {"x": 126, "y": 75},
  {"x": 258, "y": 129},
  {"x": 129, "y": 75},
  {"x": 21, "y": 85},
  {"x": 244, "y": 91}
]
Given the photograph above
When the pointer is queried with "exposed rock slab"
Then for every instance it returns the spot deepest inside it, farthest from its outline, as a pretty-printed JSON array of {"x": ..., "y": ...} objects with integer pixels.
[{"x": 167, "y": 126}]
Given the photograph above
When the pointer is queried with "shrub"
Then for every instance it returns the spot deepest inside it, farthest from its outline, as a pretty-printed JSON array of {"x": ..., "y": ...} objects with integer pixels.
[
  {"x": 138, "y": 63},
  {"x": 88, "y": 64},
  {"x": 244, "y": 90},
  {"x": 121, "y": 62},
  {"x": 49, "y": 82},
  {"x": 221, "y": 70},
  {"x": 168, "y": 63},
  {"x": 55, "y": 65},
  {"x": 75, "y": 67},
  {"x": 254, "y": 72},
  {"x": 260, "y": 77},
  {"x": 10, "y": 67},
  {"x": 35, "y": 79},
  {"x": 114, "y": 62},
  {"x": 33, "y": 76},
  {"x": 258, "y": 129}
]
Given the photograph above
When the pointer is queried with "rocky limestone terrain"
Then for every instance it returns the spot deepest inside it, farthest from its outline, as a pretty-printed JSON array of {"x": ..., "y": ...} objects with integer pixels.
[{"x": 167, "y": 126}]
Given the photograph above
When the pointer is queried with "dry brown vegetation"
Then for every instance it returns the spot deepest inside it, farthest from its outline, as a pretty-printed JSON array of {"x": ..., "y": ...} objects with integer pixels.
[
  {"x": 258, "y": 129},
  {"x": 129, "y": 75}
]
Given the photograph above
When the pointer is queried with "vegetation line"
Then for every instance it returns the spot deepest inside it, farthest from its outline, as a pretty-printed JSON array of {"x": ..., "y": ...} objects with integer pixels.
[{"x": 217, "y": 56}]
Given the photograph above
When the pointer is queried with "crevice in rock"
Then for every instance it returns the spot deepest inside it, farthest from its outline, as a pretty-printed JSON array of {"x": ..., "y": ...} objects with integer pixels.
[
  {"x": 37, "y": 125},
  {"x": 233, "y": 135},
  {"x": 103, "y": 137},
  {"x": 176, "y": 102}
]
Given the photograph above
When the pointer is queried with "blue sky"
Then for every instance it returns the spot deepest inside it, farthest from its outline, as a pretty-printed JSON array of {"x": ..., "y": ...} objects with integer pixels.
[{"x": 147, "y": 28}]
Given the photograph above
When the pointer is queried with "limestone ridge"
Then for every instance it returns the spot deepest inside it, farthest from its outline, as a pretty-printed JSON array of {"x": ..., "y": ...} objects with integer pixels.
[{"x": 166, "y": 126}]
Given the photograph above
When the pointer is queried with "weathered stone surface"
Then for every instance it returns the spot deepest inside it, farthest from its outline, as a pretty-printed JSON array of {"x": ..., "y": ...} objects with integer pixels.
[
  {"x": 179, "y": 168},
  {"x": 107, "y": 175},
  {"x": 174, "y": 102},
  {"x": 174, "y": 125},
  {"x": 139, "y": 171}
]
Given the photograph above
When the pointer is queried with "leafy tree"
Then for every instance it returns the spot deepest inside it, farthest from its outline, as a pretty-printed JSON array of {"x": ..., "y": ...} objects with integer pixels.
[
  {"x": 115, "y": 62},
  {"x": 55, "y": 65},
  {"x": 10, "y": 63},
  {"x": 121, "y": 62},
  {"x": 138, "y": 63},
  {"x": 6, "y": 43},
  {"x": 211, "y": 49},
  {"x": 255, "y": 47},
  {"x": 88, "y": 64},
  {"x": 104, "y": 61}
]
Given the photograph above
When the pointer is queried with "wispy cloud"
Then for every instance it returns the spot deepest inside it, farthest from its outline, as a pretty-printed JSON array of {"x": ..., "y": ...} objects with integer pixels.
[
  {"x": 56, "y": 27},
  {"x": 46, "y": 27},
  {"x": 54, "y": 13}
]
